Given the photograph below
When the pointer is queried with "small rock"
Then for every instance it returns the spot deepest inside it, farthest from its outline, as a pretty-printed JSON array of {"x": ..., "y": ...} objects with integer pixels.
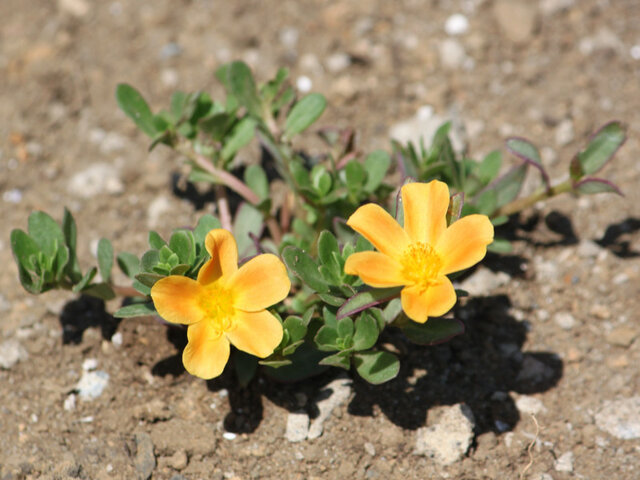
[
  {"x": 634, "y": 51},
  {"x": 530, "y": 405},
  {"x": 229, "y": 436},
  {"x": 588, "y": 249},
  {"x": 456, "y": 24},
  {"x": 297, "y": 427},
  {"x": 169, "y": 77},
  {"x": 89, "y": 364},
  {"x": 564, "y": 320},
  {"x": 70, "y": 402},
  {"x": 113, "y": 142},
  {"x": 564, "y": 133},
  {"x": 145, "y": 460},
  {"x": 340, "y": 389},
  {"x": 338, "y": 62},
  {"x": 116, "y": 339},
  {"x": 92, "y": 384},
  {"x": 289, "y": 37},
  {"x": 600, "y": 311},
  {"x": 564, "y": 463},
  {"x": 604, "y": 40},
  {"x": 12, "y": 196},
  {"x": 304, "y": 84},
  {"x": 452, "y": 54},
  {"x": 448, "y": 440},
  {"x": 370, "y": 449},
  {"x": 11, "y": 352},
  {"x": 533, "y": 371},
  {"x": 622, "y": 336},
  {"x": 153, "y": 411},
  {"x": 620, "y": 418},
  {"x": 98, "y": 178},
  {"x": 484, "y": 282},
  {"x": 549, "y": 7},
  {"x": 517, "y": 19},
  {"x": 178, "y": 460},
  {"x": 77, "y": 8},
  {"x": 170, "y": 50}
]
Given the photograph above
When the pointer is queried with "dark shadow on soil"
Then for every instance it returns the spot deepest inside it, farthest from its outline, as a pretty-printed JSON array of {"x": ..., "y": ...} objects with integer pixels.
[
  {"x": 616, "y": 238},
  {"x": 83, "y": 313},
  {"x": 186, "y": 190},
  {"x": 478, "y": 368}
]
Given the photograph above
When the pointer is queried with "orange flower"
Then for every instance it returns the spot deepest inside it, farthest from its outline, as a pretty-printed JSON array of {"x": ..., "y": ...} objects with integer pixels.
[
  {"x": 420, "y": 255},
  {"x": 225, "y": 305}
]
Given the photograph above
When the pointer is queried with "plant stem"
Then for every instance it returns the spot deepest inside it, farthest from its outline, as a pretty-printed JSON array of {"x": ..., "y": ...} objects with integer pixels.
[
  {"x": 223, "y": 207},
  {"x": 542, "y": 193}
]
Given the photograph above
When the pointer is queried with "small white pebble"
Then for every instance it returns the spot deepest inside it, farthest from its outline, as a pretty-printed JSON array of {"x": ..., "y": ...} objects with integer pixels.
[
  {"x": 304, "y": 84},
  {"x": 456, "y": 24},
  {"x": 109, "y": 468},
  {"x": 229, "y": 436},
  {"x": 34, "y": 418},
  {"x": 12, "y": 196},
  {"x": 70, "y": 402},
  {"x": 635, "y": 52},
  {"x": 223, "y": 393},
  {"x": 116, "y": 339},
  {"x": 87, "y": 419},
  {"x": 89, "y": 364}
]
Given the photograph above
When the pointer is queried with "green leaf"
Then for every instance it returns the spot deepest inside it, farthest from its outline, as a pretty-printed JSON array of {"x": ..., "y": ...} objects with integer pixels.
[
  {"x": 182, "y": 243},
  {"x": 24, "y": 248},
  {"x": 433, "y": 331},
  {"x": 500, "y": 245},
  {"x": 240, "y": 136},
  {"x": 180, "y": 269},
  {"x": 304, "y": 363},
  {"x": 331, "y": 299},
  {"x": 490, "y": 166},
  {"x": 256, "y": 179},
  {"x": 376, "y": 367},
  {"x": 217, "y": 126},
  {"x": 86, "y": 280},
  {"x": 376, "y": 165},
  {"x": 527, "y": 151},
  {"x": 296, "y": 327},
  {"x": 248, "y": 222},
  {"x": 340, "y": 359},
  {"x": 271, "y": 88},
  {"x": 392, "y": 310},
  {"x": 304, "y": 113},
  {"x": 148, "y": 279},
  {"x": 46, "y": 233},
  {"x": 156, "y": 241},
  {"x": 105, "y": 259},
  {"x": 129, "y": 264},
  {"x": 320, "y": 179},
  {"x": 100, "y": 290},
  {"x": 366, "y": 332},
  {"x": 355, "y": 176},
  {"x": 206, "y": 223},
  {"x": 454, "y": 210},
  {"x": 245, "y": 366},
  {"x": 327, "y": 246},
  {"x": 345, "y": 327},
  {"x": 602, "y": 147},
  {"x": 136, "y": 310},
  {"x": 179, "y": 101},
  {"x": 243, "y": 87},
  {"x": 136, "y": 108},
  {"x": 327, "y": 339},
  {"x": 303, "y": 266},
  {"x": 369, "y": 298},
  {"x": 593, "y": 185},
  {"x": 149, "y": 260},
  {"x": 69, "y": 231}
]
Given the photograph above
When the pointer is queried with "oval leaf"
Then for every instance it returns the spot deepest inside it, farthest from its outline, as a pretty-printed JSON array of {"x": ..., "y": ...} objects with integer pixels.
[
  {"x": 376, "y": 367},
  {"x": 300, "y": 263},
  {"x": 304, "y": 113},
  {"x": 136, "y": 108},
  {"x": 602, "y": 147},
  {"x": 433, "y": 331},
  {"x": 363, "y": 300}
]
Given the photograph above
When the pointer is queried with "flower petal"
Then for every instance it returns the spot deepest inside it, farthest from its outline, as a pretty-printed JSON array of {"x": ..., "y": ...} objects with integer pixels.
[
  {"x": 207, "y": 352},
  {"x": 176, "y": 299},
  {"x": 375, "y": 269},
  {"x": 224, "y": 256},
  {"x": 376, "y": 225},
  {"x": 425, "y": 210},
  {"x": 259, "y": 283},
  {"x": 257, "y": 333},
  {"x": 464, "y": 243},
  {"x": 436, "y": 300}
]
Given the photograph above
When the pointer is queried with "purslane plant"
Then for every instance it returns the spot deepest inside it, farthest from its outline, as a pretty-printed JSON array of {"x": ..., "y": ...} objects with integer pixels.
[{"x": 310, "y": 292}]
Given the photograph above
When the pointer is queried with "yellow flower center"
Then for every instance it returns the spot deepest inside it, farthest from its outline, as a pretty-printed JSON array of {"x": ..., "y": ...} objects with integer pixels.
[
  {"x": 421, "y": 265},
  {"x": 218, "y": 305}
]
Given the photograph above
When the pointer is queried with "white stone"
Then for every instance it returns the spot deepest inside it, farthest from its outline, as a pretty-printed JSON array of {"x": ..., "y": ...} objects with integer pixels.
[
  {"x": 12, "y": 196},
  {"x": 70, "y": 402},
  {"x": 620, "y": 418},
  {"x": 156, "y": 211},
  {"x": 549, "y": 7},
  {"x": 289, "y": 37},
  {"x": 11, "y": 352},
  {"x": 341, "y": 391},
  {"x": 92, "y": 384},
  {"x": 297, "y": 427},
  {"x": 564, "y": 320},
  {"x": 530, "y": 405},
  {"x": 452, "y": 54},
  {"x": 484, "y": 282},
  {"x": 564, "y": 463},
  {"x": 588, "y": 249},
  {"x": 96, "y": 179},
  {"x": 635, "y": 52},
  {"x": 77, "y": 8},
  {"x": 304, "y": 84},
  {"x": 90, "y": 364},
  {"x": 338, "y": 62},
  {"x": 229, "y": 436},
  {"x": 116, "y": 339},
  {"x": 448, "y": 440},
  {"x": 456, "y": 24},
  {"x": 564, "y": 133}
]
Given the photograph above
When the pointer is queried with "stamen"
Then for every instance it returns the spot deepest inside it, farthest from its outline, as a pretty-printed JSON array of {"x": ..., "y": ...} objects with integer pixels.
[
  {"x": 217, "y": 303},
  {"x": 421, "y": 264}
]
